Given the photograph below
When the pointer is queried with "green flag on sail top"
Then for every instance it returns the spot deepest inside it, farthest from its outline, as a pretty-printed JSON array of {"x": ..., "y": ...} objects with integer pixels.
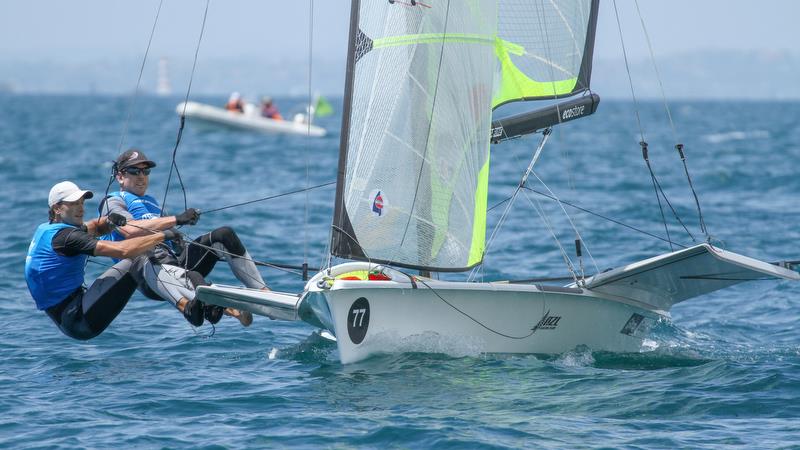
[{"x": 322, "y": 108}]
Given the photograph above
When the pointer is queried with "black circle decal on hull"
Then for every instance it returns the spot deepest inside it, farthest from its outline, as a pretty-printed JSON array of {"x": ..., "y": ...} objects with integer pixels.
[{"x": 358, "y": 320}]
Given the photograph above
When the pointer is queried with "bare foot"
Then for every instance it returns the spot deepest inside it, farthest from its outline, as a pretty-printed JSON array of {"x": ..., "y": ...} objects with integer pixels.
[{"x": 244, "y": 317}]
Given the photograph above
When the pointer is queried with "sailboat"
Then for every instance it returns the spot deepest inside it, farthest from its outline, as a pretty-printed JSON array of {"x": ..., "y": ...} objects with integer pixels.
[
  {"x": 423, "y": 80},
  {"x": 252, "y": 120}
]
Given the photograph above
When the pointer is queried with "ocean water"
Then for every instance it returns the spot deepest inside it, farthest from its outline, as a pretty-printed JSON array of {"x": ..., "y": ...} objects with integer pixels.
[{"x": 724, "y": 371}]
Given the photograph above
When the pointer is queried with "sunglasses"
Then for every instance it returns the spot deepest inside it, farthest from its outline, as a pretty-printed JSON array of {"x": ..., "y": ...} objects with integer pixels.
[{"x": 136, "y": 171}]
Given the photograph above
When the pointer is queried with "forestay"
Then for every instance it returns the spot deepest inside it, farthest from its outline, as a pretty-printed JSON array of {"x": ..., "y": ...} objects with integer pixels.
[{"x": 422, "y": 81}]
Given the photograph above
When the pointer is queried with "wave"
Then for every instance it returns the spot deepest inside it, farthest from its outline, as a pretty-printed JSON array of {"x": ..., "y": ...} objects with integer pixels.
[{"x": 719, "y": 138}]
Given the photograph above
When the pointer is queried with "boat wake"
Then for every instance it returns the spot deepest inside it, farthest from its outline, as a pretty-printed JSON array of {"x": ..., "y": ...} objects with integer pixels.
[
  {"x": 430, "y": 342},
  {"x": 666, "y": 346},
  {"x": 314, "y": 349}
]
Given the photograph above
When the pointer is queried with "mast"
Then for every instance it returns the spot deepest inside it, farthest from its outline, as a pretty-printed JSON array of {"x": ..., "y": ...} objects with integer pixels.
[{"x": 342, "y": 236}]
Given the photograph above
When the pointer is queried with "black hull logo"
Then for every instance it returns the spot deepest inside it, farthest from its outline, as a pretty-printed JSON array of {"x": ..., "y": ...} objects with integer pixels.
[
  {"x": 358, "y": 320},
  {"x": 547, "y": 322},
  {"x": 632, "y": 324}
]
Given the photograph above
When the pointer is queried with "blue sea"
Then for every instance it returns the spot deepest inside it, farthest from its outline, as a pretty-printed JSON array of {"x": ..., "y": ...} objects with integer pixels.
[{"x": 723, "y": 371}]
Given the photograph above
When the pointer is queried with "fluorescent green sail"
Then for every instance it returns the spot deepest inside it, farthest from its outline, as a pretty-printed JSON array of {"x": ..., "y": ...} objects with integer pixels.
[
  {"x": 416, "y": 134},
  {"x": 548, "y": 58},
  {"x": 422, "y": 81},
  {"x": 479, "y": 223},
  {"x": 515, "y": 85}
]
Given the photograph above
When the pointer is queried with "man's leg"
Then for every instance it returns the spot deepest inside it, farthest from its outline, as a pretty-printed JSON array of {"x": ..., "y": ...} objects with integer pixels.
[
  {"x": 223, "y": 243},
  {"x": 177, "y": 286},
  {"x": 88, "y": 313}
]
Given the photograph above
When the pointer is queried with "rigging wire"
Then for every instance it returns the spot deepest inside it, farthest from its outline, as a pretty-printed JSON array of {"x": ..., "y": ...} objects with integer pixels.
[
  {"x": 269, "y": 197},
  {"x": 703, "y": 229},
  {"x": 138, "y": 80},
  {"x": 577, "y": 51},
  {"x": 422, "y": 281},
  {"x": 577, "y": 233},
  {"x": 642, "y": 141},
  {"x": 173, "y": 164},
  {"x": 523, "y": 180},
  {"x": 678, "y": 145},
  {"x": 643, "y": 144},
  {"x": 278, "y": 266},
  {"x": 309, "y": 113},
  {"x": 548, "y": 225},
  {"x": 628, "y": 70},
  {"x": 134, "y": 96},
  {"x": 674, "y": 213},
  {"x": 601, "y": 216}
]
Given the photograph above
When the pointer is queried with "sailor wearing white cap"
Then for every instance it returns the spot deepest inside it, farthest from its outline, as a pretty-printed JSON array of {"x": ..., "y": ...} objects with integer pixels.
[{"x": 54, "y": 267}]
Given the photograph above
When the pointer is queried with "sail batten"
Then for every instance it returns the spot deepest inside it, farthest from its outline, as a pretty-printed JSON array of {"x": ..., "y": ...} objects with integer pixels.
[{"x": 421, "y": 85}]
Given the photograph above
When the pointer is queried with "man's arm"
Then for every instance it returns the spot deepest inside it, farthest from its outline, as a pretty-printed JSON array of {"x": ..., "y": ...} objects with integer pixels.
[
  {"x": 130, "y": 248},
  {"x": 158, "y": 224},
  {"x": 99, "y": 227},
  {"x": 117, "y": 205}
]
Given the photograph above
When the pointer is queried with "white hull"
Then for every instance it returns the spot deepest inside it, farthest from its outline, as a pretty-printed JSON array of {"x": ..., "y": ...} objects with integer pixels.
[
  {"x": 611, "y": 311},
  {"x": 249, "y": 120},
  {"x": 477, "y": 317}
]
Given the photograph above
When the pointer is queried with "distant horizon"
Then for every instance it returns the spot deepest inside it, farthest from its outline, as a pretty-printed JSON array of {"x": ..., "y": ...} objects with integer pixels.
[
  {"x": 714, "y": 49},
  {"x": 689, "y": 75}
]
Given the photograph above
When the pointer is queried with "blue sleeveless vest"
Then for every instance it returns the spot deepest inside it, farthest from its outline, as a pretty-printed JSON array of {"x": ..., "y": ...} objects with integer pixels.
[
  {"x": 141, "y": 208},
  {"x": 51, "y": 277}
]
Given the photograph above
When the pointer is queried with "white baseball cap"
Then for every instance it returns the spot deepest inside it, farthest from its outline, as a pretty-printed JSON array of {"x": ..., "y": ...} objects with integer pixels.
[{"x": 67, "y": 191}]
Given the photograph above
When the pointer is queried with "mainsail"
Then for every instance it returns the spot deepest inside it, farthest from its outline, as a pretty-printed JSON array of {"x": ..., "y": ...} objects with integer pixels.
[{"x": 422, "y": 81}]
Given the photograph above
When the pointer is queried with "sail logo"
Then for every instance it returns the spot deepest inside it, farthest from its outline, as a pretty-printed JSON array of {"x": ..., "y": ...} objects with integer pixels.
[
  {"x": 497, "y": 132},
  {"x": 379, "y": 203},
  {"x": 575, "y": 111},
  {"x": 547, "y": 322}
]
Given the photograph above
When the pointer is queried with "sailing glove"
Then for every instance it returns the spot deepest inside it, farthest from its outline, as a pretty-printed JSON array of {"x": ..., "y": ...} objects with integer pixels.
[
  {"x": 171, "y": 234},
  {"x": 188, "y": 217},
  {"x": 117, "y": 220}
]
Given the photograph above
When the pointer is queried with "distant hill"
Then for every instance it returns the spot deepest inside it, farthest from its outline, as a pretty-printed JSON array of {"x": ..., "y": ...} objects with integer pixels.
[
  {"x": 696, "y": 75},
  {"x": 708, "y": 75}
]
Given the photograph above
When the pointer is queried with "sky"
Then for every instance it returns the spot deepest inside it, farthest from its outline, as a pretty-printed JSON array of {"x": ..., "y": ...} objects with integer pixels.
[
  {"x": 277, "y": 32},
  {"x": 270, "y": 28}
]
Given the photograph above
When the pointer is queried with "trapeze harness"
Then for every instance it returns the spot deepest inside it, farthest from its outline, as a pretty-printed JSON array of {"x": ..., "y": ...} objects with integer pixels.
[
  {"x": 51, "y": 277},
  {"x": 140, "y": 207}
]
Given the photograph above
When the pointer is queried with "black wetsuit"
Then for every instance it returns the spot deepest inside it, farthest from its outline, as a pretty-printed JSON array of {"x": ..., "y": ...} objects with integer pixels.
[{"x": 87, "y": 312}]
